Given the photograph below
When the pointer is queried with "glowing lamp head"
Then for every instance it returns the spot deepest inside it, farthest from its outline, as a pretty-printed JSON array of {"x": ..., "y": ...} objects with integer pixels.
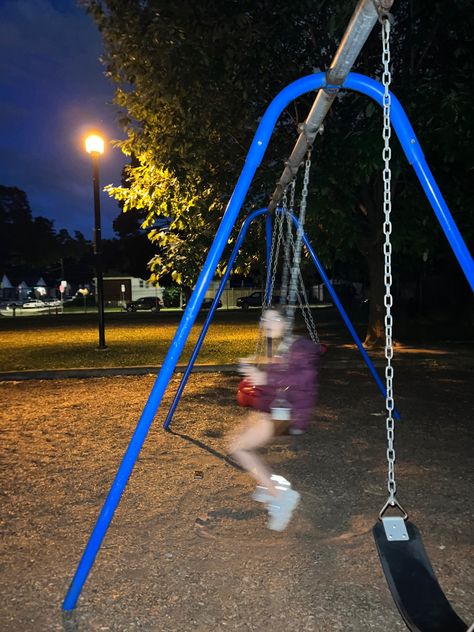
[{"x": 94, "y": 144}]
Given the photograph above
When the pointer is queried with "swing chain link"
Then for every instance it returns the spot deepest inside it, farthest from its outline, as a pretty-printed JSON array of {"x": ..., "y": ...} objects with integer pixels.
[
  {"x": 274, "y": 253},
  {"x": 295, "y": 269},
  {"x": 292, "y": 194},
  {"x": 277, "y": 235},
  {"x": 291, "y": 274},
  {"x": 287, "y": 212},
  {"x": 304, "y": 303},
  {"x": 307, "y": 315},
  {"x": 387, "y": 250}
]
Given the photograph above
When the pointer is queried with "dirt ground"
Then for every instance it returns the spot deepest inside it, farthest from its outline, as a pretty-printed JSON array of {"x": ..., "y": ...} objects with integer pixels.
[{"x": 188, "y": 549}]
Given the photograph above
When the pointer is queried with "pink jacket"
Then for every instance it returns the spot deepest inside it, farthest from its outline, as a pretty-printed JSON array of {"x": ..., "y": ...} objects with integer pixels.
[{"x": 294, "y": 380}]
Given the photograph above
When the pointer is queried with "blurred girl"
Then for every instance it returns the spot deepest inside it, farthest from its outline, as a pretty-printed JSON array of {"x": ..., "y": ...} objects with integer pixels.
[{"x": 285, "y": 393}]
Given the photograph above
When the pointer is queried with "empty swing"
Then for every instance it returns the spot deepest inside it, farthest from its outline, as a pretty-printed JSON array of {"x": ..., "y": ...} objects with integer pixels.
[{"x": 407, "y": 568}]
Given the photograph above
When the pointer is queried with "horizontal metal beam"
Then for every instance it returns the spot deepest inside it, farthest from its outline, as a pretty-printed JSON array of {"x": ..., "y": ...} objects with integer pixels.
[{"x": 358, "y": 30}]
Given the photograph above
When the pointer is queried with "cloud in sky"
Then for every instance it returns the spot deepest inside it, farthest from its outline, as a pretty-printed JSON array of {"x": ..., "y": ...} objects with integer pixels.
[{"x": 53, "y": 88}]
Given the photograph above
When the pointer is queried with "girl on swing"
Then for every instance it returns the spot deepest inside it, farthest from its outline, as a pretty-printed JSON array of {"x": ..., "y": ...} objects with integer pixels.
[{"x": 285, "y": 397}]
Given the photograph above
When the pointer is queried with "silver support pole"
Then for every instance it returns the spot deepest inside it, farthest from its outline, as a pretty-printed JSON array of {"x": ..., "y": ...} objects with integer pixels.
[{"x": 358, "y": 30}]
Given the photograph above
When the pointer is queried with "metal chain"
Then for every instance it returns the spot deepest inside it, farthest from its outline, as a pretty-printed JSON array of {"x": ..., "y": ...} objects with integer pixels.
[
  {"x": 304, "y": 304},
  {"x": 387, "y": 250},
  {"x": 290, "y": 309},
  {"x": 307, "y": 315},
  {"x": 274, "y": 255},
  {"x": 292, "y": 277},
  {"x": 288, "y": 241},
  {"x": 277, "y": 236}
]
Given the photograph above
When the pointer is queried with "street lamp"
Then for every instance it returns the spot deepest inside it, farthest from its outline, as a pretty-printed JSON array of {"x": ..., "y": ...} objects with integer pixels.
[{"x": 95, "y": 147}]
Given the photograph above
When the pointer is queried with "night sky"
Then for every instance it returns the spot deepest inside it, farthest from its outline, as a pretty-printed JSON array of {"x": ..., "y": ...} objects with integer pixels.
[{"x": 53, "y": 90}]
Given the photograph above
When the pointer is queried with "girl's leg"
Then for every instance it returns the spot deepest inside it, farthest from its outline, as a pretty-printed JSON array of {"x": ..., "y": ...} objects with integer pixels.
[{"x": 244, "y": 445}]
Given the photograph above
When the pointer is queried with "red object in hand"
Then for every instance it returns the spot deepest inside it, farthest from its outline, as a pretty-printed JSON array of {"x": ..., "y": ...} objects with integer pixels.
[
  {"x": 323, "y": 349},
  {"x": 247, "y": 393}
]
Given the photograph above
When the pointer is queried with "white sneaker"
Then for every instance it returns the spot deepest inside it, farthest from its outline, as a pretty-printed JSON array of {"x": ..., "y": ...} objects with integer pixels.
[
  {"x": 281, "y": 509},
  {"x": 280, "y": 482},
  {"x": 261, "y": 494}
]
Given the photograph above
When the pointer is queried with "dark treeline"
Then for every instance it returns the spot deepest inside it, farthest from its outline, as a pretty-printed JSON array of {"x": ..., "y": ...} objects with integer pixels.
[{"x": 30, "y": 245}]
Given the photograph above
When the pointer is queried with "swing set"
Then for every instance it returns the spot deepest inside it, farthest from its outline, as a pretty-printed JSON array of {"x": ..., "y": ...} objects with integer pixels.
[{"x": 407, "y": 568}]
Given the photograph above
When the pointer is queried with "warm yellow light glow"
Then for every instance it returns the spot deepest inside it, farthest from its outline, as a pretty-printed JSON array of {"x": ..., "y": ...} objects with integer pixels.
[{"x": 95, "y": 144}]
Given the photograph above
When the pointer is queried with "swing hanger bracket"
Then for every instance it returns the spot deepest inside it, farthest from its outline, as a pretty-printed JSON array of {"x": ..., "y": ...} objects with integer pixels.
[
  {"x": 383, "y": 9},
  {"x": 310, "y": 132},
  {"x": 394, "y": 526},
  {"x": 331, "y": 89},
  {"x": 393, "y": 503},
  {"x": 293, "y": 170}
]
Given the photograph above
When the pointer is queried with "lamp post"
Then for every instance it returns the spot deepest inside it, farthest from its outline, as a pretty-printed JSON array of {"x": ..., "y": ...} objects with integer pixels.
[{"x": 95, "y": 147}]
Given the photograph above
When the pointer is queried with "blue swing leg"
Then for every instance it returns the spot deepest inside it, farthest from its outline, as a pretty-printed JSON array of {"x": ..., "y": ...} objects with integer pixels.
[
  {"x": 346, "y": 319},
  {"x": 254, "y": 158},
  {"x": 208, "y": 320}
]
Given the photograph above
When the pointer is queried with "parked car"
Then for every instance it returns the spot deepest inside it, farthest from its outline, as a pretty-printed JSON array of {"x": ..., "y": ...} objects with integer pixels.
[
  {"x": 252, "y": 300},
  {"x": 146, "y": 303},
  {"x": 51, "y": 302},
  {"x": 206, "y": 304},
  {"x": 33, "y": 304}
]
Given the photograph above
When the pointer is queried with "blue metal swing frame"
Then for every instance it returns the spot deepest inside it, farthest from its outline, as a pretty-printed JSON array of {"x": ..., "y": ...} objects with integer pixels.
[
  {"x": 414, "y": 154},
  {"x": 220, "y": 289}
]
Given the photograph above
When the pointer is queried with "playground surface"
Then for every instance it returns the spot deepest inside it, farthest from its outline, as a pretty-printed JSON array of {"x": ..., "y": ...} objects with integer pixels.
[{"x": 188, "y": 549}]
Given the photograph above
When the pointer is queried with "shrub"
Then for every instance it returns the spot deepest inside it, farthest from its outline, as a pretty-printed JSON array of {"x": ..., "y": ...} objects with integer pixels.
[{"x": 171, "y": 296}]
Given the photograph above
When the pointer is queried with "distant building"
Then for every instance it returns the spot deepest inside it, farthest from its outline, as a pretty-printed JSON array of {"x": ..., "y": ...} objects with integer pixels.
[
  {"x": 120, "y": 289},
  {"x": 30, "y": 287},
  {"x": 6, "y": 288}
]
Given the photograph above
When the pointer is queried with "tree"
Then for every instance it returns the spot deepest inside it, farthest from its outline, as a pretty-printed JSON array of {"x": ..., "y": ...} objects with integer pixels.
[
  {"x": 31, "y": 244},
  {"x": 25, "y": 241},
  {"x": 15, "y": 212},
  {"x": 132, "y": 248},
  {"x": 431, "y": 66},
  {"x": 193, "y": 78}
]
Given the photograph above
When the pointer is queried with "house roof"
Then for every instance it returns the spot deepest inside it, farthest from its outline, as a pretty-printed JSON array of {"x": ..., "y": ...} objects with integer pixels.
[{"x": 5, "y": 283}]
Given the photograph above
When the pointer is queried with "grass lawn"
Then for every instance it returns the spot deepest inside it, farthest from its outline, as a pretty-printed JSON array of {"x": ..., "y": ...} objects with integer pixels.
[{"x": 70, "y": 340}]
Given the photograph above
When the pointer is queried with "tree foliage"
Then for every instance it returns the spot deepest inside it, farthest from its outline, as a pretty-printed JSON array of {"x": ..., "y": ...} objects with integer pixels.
[
  {"x": 24, "y": 240},
  {"x": 30, "y": 245},
  {"x": 193, "y": 79},
  {"x": 431, "y": 65}
]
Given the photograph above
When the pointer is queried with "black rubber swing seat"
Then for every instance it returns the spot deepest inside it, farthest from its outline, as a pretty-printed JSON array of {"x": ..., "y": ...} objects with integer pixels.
[{"x": 413, "y": 584}]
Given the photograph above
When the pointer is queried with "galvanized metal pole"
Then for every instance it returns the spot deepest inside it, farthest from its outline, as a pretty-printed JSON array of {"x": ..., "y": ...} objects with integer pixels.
[{"x": 358, "y": 30}]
